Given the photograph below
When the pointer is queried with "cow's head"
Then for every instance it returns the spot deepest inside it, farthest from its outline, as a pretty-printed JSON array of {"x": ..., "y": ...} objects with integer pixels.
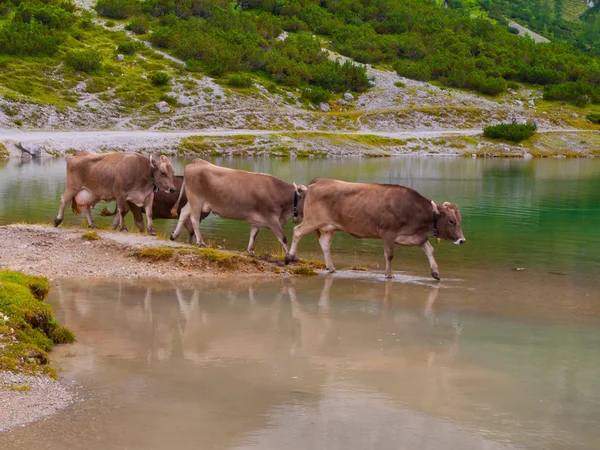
[
  {"x": 448, "y": 222},
  {"x": 301, "y": 192},
  {"x": 162, "y": 172}
]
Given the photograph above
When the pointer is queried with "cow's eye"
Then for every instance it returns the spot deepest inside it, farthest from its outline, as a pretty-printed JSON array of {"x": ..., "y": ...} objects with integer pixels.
[{"x": 452, "y": 221}]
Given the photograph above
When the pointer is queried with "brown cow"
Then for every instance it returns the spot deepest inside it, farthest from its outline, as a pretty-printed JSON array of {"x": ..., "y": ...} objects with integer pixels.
[
  {"x": 393, "y": 213},
  {"x": 161, "y": 208},
  {"x": 263, "y": 200},
  {"x": 124, "y": 177}
]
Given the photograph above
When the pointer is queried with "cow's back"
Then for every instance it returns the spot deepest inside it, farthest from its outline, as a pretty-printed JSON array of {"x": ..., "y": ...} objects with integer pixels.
[
  {"x": 236, "y": 194},
  {"x": 365, "y": 210}
]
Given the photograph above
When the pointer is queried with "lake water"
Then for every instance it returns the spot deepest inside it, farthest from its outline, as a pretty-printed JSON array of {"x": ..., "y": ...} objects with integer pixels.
[{"x": 490, "y": 358}]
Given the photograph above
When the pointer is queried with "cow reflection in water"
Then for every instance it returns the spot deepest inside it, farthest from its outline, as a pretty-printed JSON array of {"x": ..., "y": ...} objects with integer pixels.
[{"x": 253, "y": 323}]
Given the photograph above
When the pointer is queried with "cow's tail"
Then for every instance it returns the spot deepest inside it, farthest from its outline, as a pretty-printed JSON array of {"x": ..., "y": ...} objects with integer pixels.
[
  {"x": 106, "y": 213},
  {"x": 75, "y": 207},
  {"x": 175, "y": 208}
]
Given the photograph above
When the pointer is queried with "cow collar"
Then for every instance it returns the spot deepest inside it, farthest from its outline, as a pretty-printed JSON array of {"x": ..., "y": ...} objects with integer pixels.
[{"x": 295, "y": 206}]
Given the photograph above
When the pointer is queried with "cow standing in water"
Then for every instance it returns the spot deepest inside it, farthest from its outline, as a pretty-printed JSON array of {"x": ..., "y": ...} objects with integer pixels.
[
  {"x": 124, "y": 177},
  {"x": 263, "y": 200},
  {"x": 392, "y": 213},
  {"x": 161, "y": 208}
]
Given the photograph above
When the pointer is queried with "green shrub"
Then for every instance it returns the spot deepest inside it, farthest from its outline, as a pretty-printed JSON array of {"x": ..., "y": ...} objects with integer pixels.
[
  {"x": 512, "y": 85},
  {"x": 241, "y": 81},
  {"x": 32, "y": 38},
  {"x": 160, "y": 79},
  {"x": 129, "y": 47},
  {"x": 88, "y": 61},
  {"x": 513, "y": 30},
  {"x": 48, "y": 15},
  {"x": 118, "y": 9},
  {"x": 514, "y": 132},
  {"x": 6, "y": 9},
  {"x": 316, "y": 94},
  {"x": 400, "y": 84},
  {"x": 3, "y": 62},
  {"x": 139, "y": 25},
  {"x": 110, "y": 23},
  {"x": 594, "y": 118}
]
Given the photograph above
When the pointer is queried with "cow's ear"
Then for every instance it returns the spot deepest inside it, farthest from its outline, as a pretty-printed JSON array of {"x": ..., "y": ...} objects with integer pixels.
[
  {"x": 164, "y": 159},
  {"x": 435, "y": 207},
  {"x": 446, "y": 204},
  {"x": 153, "y": 163},
  {"x": 300, "y": 189}
]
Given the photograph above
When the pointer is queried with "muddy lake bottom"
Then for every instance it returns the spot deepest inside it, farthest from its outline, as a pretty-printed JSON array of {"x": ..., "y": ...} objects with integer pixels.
[
  {"x": 501, "y": 354},
  {"x": 346, "y": 361}
]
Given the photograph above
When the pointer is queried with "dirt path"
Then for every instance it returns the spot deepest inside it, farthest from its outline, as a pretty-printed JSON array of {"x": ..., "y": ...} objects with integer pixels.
[
  {"x": 63, "y": 252},
  {"x": 61, "y": 141}
]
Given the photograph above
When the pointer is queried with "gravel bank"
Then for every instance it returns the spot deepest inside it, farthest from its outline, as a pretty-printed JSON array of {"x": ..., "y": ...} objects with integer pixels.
[
  {"x": 25, "y": 399},
  {"x": 61, "y": 252}
]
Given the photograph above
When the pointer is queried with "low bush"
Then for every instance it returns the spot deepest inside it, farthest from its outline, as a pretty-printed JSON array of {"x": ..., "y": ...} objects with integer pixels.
[
  {"x": 160, "y": 79},
  {"x": 118, "y": 9},
  {"x": 594, "y": 118},
  {"x": 316, "y": 94},
  {"x": 28, "y": 38},
  {"x": 514, "y": 132},
  {"x": 88, "y": 61},
  {"x": 139, "y": 25},
  {"x": 49, "y": 15},
  {"x": 513, "y": 30},
  {"x": 241, "y": 81},
  {"x": 129, "y": 47}
]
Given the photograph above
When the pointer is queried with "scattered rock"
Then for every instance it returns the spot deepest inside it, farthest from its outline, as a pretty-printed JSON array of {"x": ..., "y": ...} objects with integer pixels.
[
  {"x": 120, "y": 57},
  {"x": 348, "y": 97},
  {"x": 311, "y": 106},
  {"x": 324, "y": 107},
  {"x": 31, "y": 148},
  {"x": 342, "y": 102},
  {"x": 163, "y": 107}
]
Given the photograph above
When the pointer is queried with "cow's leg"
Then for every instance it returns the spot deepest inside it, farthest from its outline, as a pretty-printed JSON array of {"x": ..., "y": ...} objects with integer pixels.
[
  {"x": 325, "y": 242},
  {"x": 148, "y": 208},
  {"x": 64, "y": 201},
  {"x": 122, "y": 209},
  {"x": 190, "y": 228},
  {"x": 299, "y": 231},
  {"x": 276, "y": 228},
  {"x": 90, "y": 219},
  {"x": 195, "y": 214},
  {"x": 428, "y": 250},
  {"x": 138, "y": 218},
  {"x": 184, "y": 217},
  {"x": 388, "y": 251},
  {"x": 253, "y": 232},
  {"x": 196, "y": 219},
  {"x": 116, "y": 220}
]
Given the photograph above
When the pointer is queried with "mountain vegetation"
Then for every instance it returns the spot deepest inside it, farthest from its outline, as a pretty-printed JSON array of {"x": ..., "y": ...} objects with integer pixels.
[{"x": 467, "y": 45}]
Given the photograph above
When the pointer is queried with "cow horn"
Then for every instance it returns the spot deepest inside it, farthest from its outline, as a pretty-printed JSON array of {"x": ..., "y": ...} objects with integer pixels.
[
  {"x": 435, "y": 207},
  {"x": 446, "y": 204}
]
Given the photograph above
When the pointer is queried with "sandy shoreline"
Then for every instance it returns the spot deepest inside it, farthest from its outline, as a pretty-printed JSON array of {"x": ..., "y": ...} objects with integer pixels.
[{"x": 25, "y": 399}]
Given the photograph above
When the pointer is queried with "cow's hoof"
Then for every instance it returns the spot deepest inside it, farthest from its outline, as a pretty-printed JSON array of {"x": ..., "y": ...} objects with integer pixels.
[
  {"x": 252, "y": 253},
  {"x": 57, "y": 222},
  {"x": 291, "y": 258},
  {"x": 124, "y": 230},
  {"x": 389, "y": 277},
  {"x": 172, "y": 237},
  {"x": 93, "y": 226},
  {"x": 151, "y": 232},
  {"x": 436, "y": 275},
  {"x": 201, "y": 245}
]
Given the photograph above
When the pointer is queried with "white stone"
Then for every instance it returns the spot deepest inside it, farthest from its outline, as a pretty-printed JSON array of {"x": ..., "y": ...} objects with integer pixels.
[
  {"x": 342, "y": 102},
  {"x": 324, "y": 107},
  {"x": 348, "y": 97},
  {"x": 120, "y": 57},
  {"x": 163, "y": 107}
]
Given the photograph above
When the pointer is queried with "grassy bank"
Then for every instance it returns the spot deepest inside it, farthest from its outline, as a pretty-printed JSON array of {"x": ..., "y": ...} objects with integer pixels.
[{"x": 28, "y": 330}]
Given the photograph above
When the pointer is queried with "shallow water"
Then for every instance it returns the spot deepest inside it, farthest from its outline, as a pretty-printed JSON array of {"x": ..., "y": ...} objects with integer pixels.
[
  {"x": 537, "y": 214},
  {"x": 490, "y": 358},
  {"x": 346, "y": 362}
]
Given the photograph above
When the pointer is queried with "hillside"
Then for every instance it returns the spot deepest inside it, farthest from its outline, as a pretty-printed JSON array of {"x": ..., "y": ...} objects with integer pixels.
[{"x": 248, "y": 66}]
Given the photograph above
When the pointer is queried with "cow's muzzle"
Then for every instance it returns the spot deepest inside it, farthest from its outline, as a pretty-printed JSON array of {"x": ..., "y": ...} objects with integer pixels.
[{"x": 460, "y": 241}]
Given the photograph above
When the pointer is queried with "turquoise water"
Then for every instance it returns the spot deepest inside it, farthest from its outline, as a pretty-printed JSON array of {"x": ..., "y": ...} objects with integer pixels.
[{"x": 537, "y": 214}]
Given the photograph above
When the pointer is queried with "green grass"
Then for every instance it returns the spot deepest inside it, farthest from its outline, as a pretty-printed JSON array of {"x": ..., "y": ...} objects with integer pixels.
[
  {"x": 31, "y": 330},
  {"x": 155, "y": 253},
  {"x": 304, "y": 271},
  {"x": 3, "y": 152},
  {"x": 90, "y": 236}
]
